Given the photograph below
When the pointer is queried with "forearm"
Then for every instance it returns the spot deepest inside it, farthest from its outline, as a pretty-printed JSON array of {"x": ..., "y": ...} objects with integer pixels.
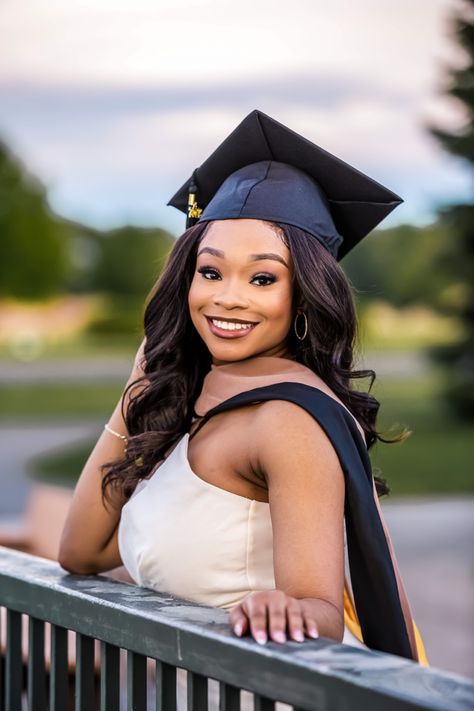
[
  {"x": 329, "y": 620},
  {"x": 91, "y": 522}
]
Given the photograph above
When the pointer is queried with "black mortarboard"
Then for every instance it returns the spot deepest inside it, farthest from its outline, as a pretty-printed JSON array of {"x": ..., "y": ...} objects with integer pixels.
[{"x": 266, "y": 171}]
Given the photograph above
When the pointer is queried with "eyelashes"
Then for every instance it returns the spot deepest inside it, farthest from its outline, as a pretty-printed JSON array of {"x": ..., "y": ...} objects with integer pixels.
[{"x": 270, "y": 278}]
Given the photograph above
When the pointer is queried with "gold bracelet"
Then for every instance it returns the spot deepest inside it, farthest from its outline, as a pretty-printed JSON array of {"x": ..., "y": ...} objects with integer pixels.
[{"x": 117, "y": 434}]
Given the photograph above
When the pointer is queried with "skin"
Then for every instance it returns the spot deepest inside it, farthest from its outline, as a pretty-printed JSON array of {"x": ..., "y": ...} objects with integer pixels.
[{"x": 245, "y": 451}]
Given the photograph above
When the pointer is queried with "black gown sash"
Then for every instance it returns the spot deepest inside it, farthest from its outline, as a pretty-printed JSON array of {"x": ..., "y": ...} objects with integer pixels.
[{"x": 374, "y": 584}]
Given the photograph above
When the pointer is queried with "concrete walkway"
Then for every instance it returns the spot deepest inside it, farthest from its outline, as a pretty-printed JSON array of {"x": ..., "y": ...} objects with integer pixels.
[
  {"x": 19, "y": 443},
  {"x": 434, "y": 544}
]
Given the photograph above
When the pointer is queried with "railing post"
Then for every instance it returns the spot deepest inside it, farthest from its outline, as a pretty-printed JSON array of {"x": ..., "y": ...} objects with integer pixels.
[
  {"x": 136, "y": 682},
  {"x": 165, "y": 687},
  {"x": 36, "y": 679},
  {"x": 197, "y": 695},
  {"x": 261, "y": 703},
  {"x": 59, "y": 678},
  {"x": 229, "y": 697},
  {"x": 13, "y": 663},
  {"x": 109, "y": 677},
  {"x": 85, "y": 692}
]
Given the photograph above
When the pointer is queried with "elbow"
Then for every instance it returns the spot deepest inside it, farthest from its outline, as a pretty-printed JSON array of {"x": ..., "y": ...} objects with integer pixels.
[
  {"x": 74, "y": 565},
  {"x": 338, "y": 628},
  {"x": 76, "y": 568}
]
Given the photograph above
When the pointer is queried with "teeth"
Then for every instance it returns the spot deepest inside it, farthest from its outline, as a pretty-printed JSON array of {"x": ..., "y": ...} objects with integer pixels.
[{"x": 230, "y": 326}]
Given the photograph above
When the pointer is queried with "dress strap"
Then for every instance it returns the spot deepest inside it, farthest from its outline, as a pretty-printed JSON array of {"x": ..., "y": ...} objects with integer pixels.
[{"x": 373, "y": 577}]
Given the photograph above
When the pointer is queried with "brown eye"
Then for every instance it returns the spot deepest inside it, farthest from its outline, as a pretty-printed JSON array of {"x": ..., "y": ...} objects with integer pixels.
[
  {"x": 208, "y": 270},
  {"x": 267, "y": 279}
]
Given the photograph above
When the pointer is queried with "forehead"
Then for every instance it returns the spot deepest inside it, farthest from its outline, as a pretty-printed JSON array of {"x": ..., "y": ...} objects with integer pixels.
[{"x": 244, "y": 236}]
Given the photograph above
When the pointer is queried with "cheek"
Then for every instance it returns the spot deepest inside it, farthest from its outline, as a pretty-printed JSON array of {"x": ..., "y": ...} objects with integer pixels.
[
  {"x": 193, "y": 301},
  {"x": 278, "y": 307},
  {"x": 194, "y": 295}
]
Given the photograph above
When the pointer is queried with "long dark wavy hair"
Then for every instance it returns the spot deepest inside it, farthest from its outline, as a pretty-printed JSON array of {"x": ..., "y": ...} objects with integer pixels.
[{"x": 160, "y": 404}]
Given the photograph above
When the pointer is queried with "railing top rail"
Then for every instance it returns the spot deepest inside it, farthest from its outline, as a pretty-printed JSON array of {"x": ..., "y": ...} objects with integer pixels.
[{"x": 315, "y": 674}]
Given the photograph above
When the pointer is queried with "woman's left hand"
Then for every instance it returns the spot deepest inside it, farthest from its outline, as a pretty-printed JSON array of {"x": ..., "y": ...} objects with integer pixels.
[{"x": 281, "y": 610}]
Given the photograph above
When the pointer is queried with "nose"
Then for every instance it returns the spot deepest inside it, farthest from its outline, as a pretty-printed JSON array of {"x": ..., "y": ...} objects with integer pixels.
[{"x": 229, "y": 296}]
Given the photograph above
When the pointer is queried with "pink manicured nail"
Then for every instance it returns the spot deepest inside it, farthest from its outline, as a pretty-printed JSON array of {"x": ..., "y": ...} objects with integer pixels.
[
  {"x": 238, "y": 628},
  {"x": 313, "y": 632},
  {"x": 261, "y": 637}
]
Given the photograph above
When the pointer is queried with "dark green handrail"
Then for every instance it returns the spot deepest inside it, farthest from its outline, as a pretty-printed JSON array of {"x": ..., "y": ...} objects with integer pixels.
[{"x": 313, "y": 675}]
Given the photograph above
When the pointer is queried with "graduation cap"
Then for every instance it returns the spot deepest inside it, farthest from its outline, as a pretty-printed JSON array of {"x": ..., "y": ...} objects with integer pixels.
[{"x": 264, "y": 170}]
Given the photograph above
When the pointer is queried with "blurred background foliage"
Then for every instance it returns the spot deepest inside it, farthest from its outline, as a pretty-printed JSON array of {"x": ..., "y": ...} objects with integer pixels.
[{"x": 67, "y": 289}]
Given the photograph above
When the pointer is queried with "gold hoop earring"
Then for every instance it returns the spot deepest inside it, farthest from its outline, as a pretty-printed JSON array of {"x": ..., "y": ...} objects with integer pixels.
[{"x": 301, "y": 313}]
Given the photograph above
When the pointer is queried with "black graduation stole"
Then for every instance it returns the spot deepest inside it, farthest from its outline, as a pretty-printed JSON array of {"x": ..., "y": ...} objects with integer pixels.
[{"x": 373, "y": 578}]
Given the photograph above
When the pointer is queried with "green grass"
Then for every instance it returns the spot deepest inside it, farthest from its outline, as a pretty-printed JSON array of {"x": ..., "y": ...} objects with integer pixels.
[
  {"x": 435, "y": 459},
  {"x": 62, "y": 466},
  {"x": 46, "y": 401}
]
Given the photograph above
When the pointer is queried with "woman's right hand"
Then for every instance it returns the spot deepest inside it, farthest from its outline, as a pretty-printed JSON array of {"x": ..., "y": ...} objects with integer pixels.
[{"x": 140, "y": 361}]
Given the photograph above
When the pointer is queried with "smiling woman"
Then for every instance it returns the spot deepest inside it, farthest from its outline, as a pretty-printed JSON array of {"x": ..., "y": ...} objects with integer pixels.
[
  {"x": 242, "y": 289},
  {"x": 245, "y": 481}
]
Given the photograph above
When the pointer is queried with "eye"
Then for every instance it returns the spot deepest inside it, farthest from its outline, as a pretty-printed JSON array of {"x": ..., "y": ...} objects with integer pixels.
[
  {"x": 208, "y": 270},
  {"x": 268, "y": 278}
]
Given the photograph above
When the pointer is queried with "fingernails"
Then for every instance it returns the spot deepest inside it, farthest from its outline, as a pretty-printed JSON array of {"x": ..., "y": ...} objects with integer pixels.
[
  {"x": 313, "y": 632},
  {"x": 298, "y": 635},
  {"x": 279, "y": 636},
  {"x": 238, "y": 628},
  {"x": 261, "y": 637}
]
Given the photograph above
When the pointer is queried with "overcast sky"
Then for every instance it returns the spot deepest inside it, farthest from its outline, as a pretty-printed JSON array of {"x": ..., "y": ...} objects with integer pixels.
[{"x": 113, "y": 103}]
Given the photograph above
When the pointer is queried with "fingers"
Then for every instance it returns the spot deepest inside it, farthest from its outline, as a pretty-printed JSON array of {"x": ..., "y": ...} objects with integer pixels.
[
  {"x": 256, "y": 608},
  {"x": 310, "y": 625},
  {"x": 295, "y": 620},
  {"x": 273, "y": 614},
  {"x": 239, "y": 620}
]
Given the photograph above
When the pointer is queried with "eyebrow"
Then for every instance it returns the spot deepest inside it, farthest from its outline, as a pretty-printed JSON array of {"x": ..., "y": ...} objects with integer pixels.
[{"x": 253, "y": 257}]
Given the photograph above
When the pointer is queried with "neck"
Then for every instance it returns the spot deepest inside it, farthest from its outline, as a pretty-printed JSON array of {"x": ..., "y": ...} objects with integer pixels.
[{"x": 281, "y": 351}]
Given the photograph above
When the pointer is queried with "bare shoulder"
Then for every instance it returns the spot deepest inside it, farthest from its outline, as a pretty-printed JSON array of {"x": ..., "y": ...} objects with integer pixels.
[{"x": 283, "y": 433}]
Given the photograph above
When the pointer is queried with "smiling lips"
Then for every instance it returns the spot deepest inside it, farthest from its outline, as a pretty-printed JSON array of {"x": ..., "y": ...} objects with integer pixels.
[{"x": 229, "y": 328}]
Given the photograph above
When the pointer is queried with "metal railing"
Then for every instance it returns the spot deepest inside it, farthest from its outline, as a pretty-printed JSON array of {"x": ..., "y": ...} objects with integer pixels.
[{"x": 161, "y": 636}]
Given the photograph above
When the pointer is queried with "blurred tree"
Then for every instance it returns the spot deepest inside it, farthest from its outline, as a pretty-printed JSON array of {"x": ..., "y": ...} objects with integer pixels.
[
  {"x": 457, "y": 258},
  {"x": 388, "y": 263},
  {"x": 127, "y": 262},
  {"x": 34, "y": 258}
]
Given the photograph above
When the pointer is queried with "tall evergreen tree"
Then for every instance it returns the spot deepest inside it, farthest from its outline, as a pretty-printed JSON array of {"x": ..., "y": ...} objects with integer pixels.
[{"x": 458, "y": 257}]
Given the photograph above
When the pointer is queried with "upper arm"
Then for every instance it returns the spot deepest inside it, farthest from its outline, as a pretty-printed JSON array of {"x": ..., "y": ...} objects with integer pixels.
[{"x": 306, "y": 497}]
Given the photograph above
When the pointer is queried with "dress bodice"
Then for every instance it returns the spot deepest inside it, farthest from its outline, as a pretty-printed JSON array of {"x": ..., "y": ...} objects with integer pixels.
[{"x": 182, "y": 535}]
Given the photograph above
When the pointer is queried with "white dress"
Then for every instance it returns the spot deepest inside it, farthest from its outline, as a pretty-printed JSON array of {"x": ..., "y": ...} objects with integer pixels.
[{"x": 181, "y": 535}]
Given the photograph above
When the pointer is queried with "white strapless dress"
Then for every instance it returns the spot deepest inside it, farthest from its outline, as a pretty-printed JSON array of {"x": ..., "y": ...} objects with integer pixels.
[{"x": 181, "y": 535}]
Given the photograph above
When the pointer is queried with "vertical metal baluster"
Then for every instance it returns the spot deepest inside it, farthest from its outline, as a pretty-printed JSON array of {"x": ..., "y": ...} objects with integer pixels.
[
  {"x": 196, "y": 692},
  {"x": 2, "y": 667},
  {"x": 261, "y": 703},
  {"x": 85, "y": 692},
  {"x": 36, "y": 666},
  {"x": 229, "y": 697},
  {"x": 165, "y": 686},
  {"x": 136, "y": 682},
  {"x": 13, "y": 662},
  {"x": 109, "y": 677},
  {"x": 59, "y": 677}
]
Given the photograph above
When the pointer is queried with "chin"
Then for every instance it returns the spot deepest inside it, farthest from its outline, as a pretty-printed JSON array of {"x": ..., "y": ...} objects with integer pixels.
[{"x": 230, "y": 355}]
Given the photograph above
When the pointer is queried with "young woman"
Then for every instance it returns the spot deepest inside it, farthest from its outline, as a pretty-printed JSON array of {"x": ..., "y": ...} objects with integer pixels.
[{"x": 234, "y": 469}]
